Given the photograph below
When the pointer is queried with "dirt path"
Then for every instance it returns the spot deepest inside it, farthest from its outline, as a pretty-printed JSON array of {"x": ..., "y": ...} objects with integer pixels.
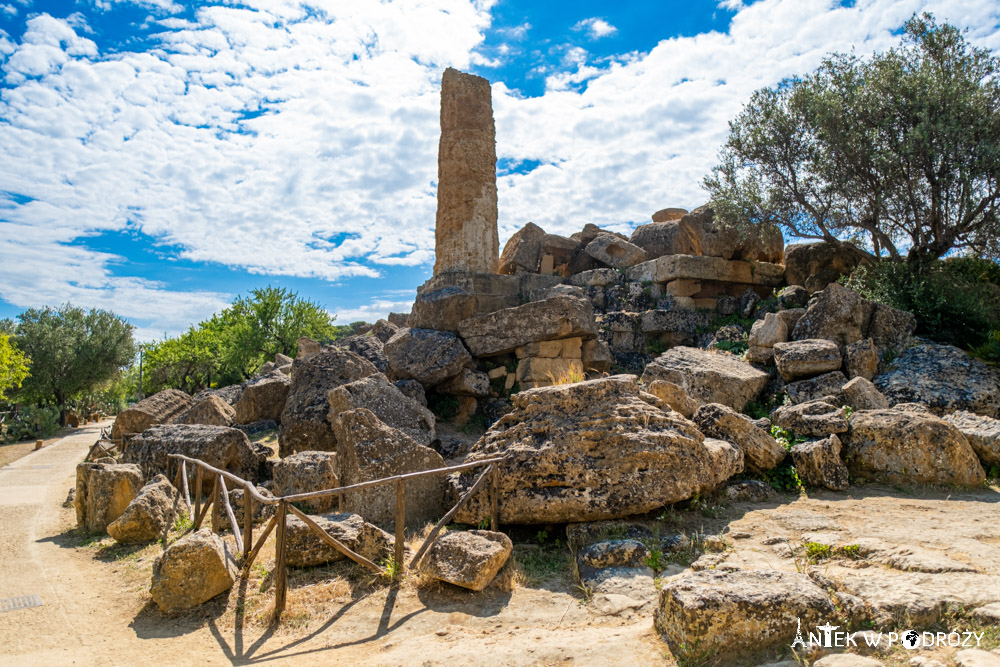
[{"x": 87, "y": 618}]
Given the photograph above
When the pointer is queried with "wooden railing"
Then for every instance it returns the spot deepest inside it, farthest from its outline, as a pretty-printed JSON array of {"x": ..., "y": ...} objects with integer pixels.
[{"x": 244, "y": 536}]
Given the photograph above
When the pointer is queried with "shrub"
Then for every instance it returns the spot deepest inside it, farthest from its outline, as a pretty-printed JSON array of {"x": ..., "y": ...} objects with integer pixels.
[{"x": 955, "y": 301}]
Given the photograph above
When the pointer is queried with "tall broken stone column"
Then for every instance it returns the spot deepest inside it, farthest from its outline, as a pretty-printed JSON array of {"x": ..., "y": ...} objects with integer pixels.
[{"x": 466, "y": 234}]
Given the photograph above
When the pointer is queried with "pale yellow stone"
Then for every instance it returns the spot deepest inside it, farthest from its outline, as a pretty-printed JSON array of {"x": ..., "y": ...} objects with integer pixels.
[
  {"x": 683, "y": 287},
  {"x": 572, "y": 348},
  {"x": 498, "y": 372}
]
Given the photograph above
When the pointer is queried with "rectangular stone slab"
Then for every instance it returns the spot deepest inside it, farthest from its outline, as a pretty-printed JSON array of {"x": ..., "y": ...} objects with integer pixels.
[
  {"x": 506, "y": 330},
  {"x": 696, "y": 267}
]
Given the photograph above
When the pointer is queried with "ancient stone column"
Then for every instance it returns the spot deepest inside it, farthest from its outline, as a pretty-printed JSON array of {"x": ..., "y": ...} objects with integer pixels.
[{"x": 466, "y": 234}]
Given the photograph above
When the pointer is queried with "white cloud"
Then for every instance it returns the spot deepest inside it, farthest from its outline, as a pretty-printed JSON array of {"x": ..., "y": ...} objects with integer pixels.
[
  {"x": 595, "y": 27},
  {"x": 516, "y": 33},
  {"x": 9, "y": 10},
  {"x": 300, "y": 139},
  {"x": 731, "y": 5}
]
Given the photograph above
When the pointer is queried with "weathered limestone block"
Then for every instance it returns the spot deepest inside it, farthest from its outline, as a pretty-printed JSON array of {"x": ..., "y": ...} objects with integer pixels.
[
  {"x": 806, "y": 358},
  {"x": 263, "y": 398},
  {"x": 160, "y": 408},
  {"x": 669, "y": 214},
  {"x": 615, "y": 252},
  {"x": 307, "y": 549},
  {"x": 818, "y": 388},
  {"x": 305, "y": 472},
  {"x": 467, "y": 558},
  {"x": 211, "y": 410},
  {"x": 901, "y": 447},
  {"x": 724, "y": 612},
  {"x": 589, "y": 451},
  {"x": 596, "y": 356},
  {"x": 983, "y": 433},
  {"x": 192, "y": 570},
  {"x": 944, "y": 378},
  {"x": 861, "y": 359},
  {"x": 304, "y": 423},
  {"x": 368, "y": 449},
  {"x": 442, "y": 309},
  {"x": 596, "y": 278},
  {"x": 890, "y": 329},
  {"x": 468, "y": 382},
  {"x": 543, "y": 372},
  {"x": 504, "y": 331},
  {"x": 426, "y": 355},
  {"x": 695, "y": 267},
  {"x": 861, "y": 394},
  {"x": 814, "y": 419},
  {"x": 761, "y": 452},
  {"x": 523, "y": 250},
  {"x": 838, "y": 314},
  {"x": 674, "y": 396},
  {"x": 818, "y": 463},
  {"x": 764, "y": 335},
  {"x": 466, "y": 228},
  {"x": 224, "y": 448},
  {"x": 149, "y": 514},
  {"x": 708, "y": 376},
  {"x": 816, "y": 265},
  {"x": 389, "y": 404},
  {"x": 307, "y": 347},
  {"x": 670, "y": 237},
  {"x": 103, "y": 492}
]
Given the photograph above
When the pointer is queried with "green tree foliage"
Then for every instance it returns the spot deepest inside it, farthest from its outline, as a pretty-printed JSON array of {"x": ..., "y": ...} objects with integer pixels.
[
  {"x": 13, "y": 366},
  {"x": 232, "y": 345},
  {"x": 900, "y": 150},
  {"x": 71, "y": 350}
]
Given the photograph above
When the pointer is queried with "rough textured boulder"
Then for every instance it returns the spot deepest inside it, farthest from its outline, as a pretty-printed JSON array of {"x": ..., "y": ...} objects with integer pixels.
[
  {"x": 944, "y": 378},
  {"x": 890, "y": 329},
  {"x": 814, "y": 419},
  {"x": 304, "y": 472},
  {"x": 723, "y": 613},
  {"x": 861, "y": 394},
  {"x": 261, "y": 512},
  {"x": 389, "y": 404},
  {"x": 764, "y": 335},
  {"x": 307, "y": 347},
  {"x": 263, "y": 398},
  {"x": 103, "y": 492},
  {"x": 307, "y": 549},
  {"x": 897, "y": 446},
  {"x": 666, "y": 238},
  {"x": 426, "y": 355},
  {"x": 367, "y": 346},
  {"x": 818, "y": 463},
  {"x": 160, "y": 408},
  {"x": 615, "y": 252},
  {"x": 229, "y": 394},
  {"x": 441, "y": 309},
  {"x": 466, "y": 227},
  {"x": 838, "y": 314},
  {"x": 304, "y": 425},
  {"x": 760, "y": 451},
  {"x": 212, "y": 410},
  {"x": 504, "y": 331},
  {"x": 806, "y": 358},
  {"x": 717, "y": 241},
  {"x": 149, "y": 514},
  {"x": 816, "y": 265},
  {"x": 468, "y": 382},
  {"x": 983, "y": 433},
  {"x": 522, "y": 251},
  {"x": 368, "y": 449},
  {"x": 674, "y": 396},
  {"x": 861, "y": 359},
  {"x": 224, "y": 448},
  {"x": 590, "y": 451},
  {"x": 467, "y": 558},
  {"x": 669, "y": 214},
  {"x": 708, "y": 377},
  {"x": 821, "y": 387},
  {"x": 192, "y": 570}
]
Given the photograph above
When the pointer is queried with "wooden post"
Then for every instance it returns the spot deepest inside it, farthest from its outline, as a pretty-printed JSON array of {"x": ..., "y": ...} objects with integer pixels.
[
  {"x": 224, "y": 492},
  {"x": 197, "y": 498},
  {"x": 399, "y": 556},
  {"x": 280, "y": 573},
  {"x": 247, "y": 523},
  {"x": 187, "y": 489},
  {"x": 216, "y": 507},
  {"x": 494, "y": 497}
]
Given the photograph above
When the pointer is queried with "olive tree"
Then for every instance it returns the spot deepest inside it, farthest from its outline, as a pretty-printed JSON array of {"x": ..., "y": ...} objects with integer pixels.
[{"x": 900, "y": 150}]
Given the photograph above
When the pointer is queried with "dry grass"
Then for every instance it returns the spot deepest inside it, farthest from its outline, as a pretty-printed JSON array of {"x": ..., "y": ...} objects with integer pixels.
[{"x": 16, "y": 450}]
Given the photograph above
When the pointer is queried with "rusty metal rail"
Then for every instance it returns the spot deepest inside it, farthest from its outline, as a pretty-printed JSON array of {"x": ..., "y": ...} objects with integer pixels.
[{"x": 218, "y": 502}]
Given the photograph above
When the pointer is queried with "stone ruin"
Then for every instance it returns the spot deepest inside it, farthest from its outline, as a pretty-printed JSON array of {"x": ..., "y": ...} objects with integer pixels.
[{"x": 544, "y": 315}]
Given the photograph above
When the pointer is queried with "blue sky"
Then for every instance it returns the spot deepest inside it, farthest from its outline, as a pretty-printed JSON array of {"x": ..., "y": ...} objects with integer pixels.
[{"x": 158, "y": 158}]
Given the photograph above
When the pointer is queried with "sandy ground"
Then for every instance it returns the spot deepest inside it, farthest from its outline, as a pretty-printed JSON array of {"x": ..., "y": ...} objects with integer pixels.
[{"x": 88, "y": 618}]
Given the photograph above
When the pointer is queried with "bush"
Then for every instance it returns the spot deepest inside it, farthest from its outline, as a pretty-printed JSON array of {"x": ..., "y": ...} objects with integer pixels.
[
  {"x": 955, "y": 300},
  {"x": 31, "y": 423}
]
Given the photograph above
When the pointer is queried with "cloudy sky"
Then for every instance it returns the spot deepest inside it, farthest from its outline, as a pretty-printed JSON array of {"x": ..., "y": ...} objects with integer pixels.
[{"x": 158, "y": 157}]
